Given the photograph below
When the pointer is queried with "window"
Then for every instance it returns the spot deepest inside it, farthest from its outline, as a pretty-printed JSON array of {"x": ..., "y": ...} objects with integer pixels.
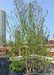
[
  {"x": 3, "y": 50},
  {"x": 7, "y": 52},
  {"x": 0, "y": 50},
  {"x": 3, "y": 54},
  {"x": 0, "y": 54}
]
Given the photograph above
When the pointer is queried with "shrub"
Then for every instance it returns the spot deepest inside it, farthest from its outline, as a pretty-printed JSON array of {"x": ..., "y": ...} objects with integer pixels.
[{"x": 16, "y": 66}]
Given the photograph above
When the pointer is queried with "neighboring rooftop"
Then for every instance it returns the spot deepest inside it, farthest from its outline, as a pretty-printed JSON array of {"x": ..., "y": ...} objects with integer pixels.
[{"x": 51, "y": 42}]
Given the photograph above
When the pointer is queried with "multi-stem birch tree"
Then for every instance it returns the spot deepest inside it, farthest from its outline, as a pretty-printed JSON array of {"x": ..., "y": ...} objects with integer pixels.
[{"x": 28, "y": 19}]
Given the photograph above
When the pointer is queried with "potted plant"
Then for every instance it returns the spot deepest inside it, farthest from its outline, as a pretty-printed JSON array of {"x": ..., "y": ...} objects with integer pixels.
[
  {"x": 30, "y": 27},
  {"x": 16, "y": 67}
]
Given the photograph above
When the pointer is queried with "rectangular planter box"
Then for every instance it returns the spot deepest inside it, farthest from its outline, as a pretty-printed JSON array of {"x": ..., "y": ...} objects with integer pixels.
[
  {"x": 51, "y": 73},
  {"x": 15, "y": 73}
]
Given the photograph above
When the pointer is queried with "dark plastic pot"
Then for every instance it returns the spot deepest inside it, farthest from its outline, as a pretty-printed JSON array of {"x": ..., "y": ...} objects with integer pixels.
[{"x": 15, "y": 73}]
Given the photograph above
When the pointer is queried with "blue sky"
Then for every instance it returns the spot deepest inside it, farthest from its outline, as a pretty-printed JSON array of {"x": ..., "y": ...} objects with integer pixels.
[{"x": 45, "y": 4}]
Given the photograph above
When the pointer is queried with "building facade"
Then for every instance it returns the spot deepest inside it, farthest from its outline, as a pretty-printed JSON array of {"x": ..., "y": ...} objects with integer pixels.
[
  {"x": 4, "y": 51},
  {"x": 50, "y": 45},
  {"x": 2, "y": 26}
]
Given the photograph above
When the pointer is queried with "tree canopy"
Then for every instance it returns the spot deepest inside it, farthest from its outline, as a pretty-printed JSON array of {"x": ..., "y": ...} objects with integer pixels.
[{"x": 28, "y": 20}]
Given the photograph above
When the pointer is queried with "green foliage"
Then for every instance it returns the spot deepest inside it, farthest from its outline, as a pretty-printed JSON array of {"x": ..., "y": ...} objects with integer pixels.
[
  {"x": 40, "y": 64},
  {"x": 16, "y": 66},
  {"x": 29, "y": 20}
]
